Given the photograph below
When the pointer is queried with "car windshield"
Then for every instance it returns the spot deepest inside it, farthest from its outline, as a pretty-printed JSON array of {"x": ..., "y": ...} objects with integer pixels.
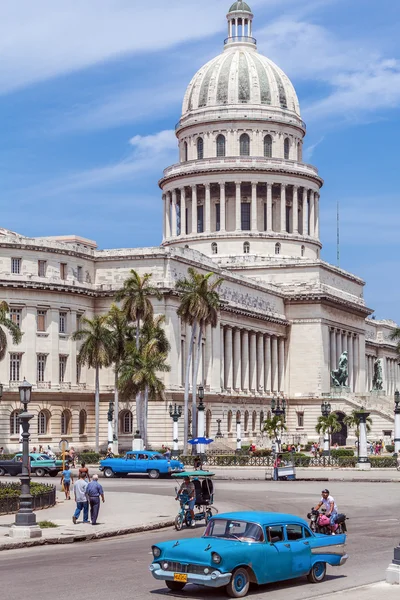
[{"x": 231, "y": 529}]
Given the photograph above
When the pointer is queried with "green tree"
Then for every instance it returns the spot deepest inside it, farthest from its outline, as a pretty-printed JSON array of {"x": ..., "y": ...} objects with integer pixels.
[
  {"x": 96, "y": 353},
  {"x": 395, "y": 335},
  {"x": 274, "y": 426},
  {"x": 329, "y": 425},
  {"x": 200, "y": 302},
  {"x": 353, "y": 422},
  {"x": 10, "y": 326}
]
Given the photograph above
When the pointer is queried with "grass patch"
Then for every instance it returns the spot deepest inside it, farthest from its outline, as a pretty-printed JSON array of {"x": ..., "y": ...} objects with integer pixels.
[{"x": 46, "y": 524}]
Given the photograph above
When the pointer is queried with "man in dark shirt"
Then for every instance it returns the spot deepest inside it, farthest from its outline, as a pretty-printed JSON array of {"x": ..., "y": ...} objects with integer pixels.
[{"x": 94, "y": 492}]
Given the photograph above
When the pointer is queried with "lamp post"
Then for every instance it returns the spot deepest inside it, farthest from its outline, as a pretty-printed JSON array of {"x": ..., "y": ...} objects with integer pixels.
[
  {"x": 25, "y": 525},
  {"x": 397, "y": 423},
  {"x": 278, "y": 408},
  {"x": 326, "y": 411},
  {"x": 219, "y": 434},
  {"x": 238, "y": 435},
  {"x": 110, "y": 419},
  {"x": 363, "y": 462},
  {"x": 175, "y": 413},
  {"x": 200, "y": 418}
]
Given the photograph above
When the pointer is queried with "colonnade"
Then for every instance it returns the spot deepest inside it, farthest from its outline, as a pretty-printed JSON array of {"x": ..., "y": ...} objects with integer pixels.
[
  {"x": 339, "y": 341},
  {"x": 251, "y": 361},
  {"x": 240, "y": 206}
]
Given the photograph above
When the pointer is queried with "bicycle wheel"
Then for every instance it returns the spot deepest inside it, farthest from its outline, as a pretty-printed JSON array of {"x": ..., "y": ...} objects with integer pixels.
[
  {"x": 178, "y": 522},
  {"x": 188, "y": 519}
]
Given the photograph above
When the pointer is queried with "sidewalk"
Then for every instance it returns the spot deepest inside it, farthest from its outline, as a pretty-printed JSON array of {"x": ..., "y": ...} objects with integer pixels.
[{"x": 365, "y": 592}]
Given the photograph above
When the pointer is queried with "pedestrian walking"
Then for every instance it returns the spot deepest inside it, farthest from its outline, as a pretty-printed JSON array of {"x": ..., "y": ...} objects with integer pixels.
[
  {"x": 81, "y": 500},
  {"x": 72, "y": 456},
  {"x": 94, "y": 492},
  {"x": 83, "y": 470},
  {"x": 66, "y": 480}
]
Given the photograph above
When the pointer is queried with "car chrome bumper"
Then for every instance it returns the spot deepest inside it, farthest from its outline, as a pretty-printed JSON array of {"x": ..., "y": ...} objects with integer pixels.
[
  {"x": 214, "y": 579},
  {"x": 343, "y": 559}
]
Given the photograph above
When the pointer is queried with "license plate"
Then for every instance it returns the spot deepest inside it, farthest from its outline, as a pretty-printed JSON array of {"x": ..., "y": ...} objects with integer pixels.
[{"x": 180, "y": 577}]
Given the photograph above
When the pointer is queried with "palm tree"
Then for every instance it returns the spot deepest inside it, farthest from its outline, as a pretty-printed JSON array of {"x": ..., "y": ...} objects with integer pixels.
[
  {"x": 273, "y": 426},
  {"x": 117, "y": 323},
  {"x": 10, "y": 326},
  {"x": 329, "y": 425},
  {"x": 199, "y": 306},
  {"x": 353, "y": 421},
  {"x": 395, "y": 335},
  {"x": 96, "y": 353}
]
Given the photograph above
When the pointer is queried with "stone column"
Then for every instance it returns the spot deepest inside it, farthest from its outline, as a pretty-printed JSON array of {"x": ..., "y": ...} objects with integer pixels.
[
  {"x": 208, "y": 208},
  {"x": 194, "y": 209},
  {"x": 267, "y": 363},
  {"x": 253, "y": 369},
  {"x": 222, "y": 353},
  {"x": 238, "y": 209},
  {"x": 173, "y": 213},
  {"x": 305, "y": 212},
  {"x": 397, "y": 430},
  {"x": 228, "y": 357},
  {"x": 350, "y": 363},
  {"x": 281, "y": 365},
  {"x": 363, "y": 460},
  {"x": 295, "y": 219},
  {"x": 168, "y": 215},
  {"x": 253, "y": 207},
  {"x": 338, "y": 345},
  {"x": 216, "y": 357},
  {"x": 333, "y": 349},
  {"x": 183, "y": 211},
  {"x": 236, "y": 360},
  {"x": 222, "y": 206},
  {"x": 283, "y": 208},
  {"x": 208, "y": 355},
  {"x": 164, "y": 199},
  {"x": 356, "y": 363},
  {"x": 316, "y": 202},
  {"x": 274, "y": 364},
  {"x": 260, "y": 362},
  {"x": 245, "y": 361},
  {"x": 269, "y": 207},
  {"x": 312, "y": 214}
]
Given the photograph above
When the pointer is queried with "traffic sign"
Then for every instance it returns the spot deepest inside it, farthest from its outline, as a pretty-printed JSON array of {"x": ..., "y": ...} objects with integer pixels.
[{"x": 64, "y": 445}]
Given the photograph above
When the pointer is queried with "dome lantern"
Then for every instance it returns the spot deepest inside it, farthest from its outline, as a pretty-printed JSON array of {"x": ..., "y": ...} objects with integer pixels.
[{"x": 240, "y": 24}]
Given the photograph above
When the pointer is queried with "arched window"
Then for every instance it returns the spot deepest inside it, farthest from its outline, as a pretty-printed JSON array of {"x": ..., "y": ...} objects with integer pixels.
[
  {"x": 303, "y": 250},
  {"x": 261, "y": 420},
  {"x": 126, "y": 424},
  {"x": 254, "y": 420},
  {"x": 286, "y": 148},
  {"x": 268, "y": 146},
  {"x": 238, "y": 415},
  {"x": 221, "y": 145},
  {"x": 214, "y": 248},
  {"x": 208, "y": 423},
  {"x": 244, "y": 145},
  {"x": 229, "y": 421},
  {"x": 200, "y": 148},
  {"x": 185, "y": 152},
  {"x": 14, "y": 422},
  {"x": 43, "y": 422},
  {"x": 65, "y": 422},
  {"x": 246, "y": 248},
  {"x": 246, "y": 420},
  {"x": 277, "y": 248},
  {"x": 299, "y": 152},
  {"x": 82, "y": 422}
]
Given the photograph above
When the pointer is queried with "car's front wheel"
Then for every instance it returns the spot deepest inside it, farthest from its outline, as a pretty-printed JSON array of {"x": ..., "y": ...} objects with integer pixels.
[
  {"x": 239, "y": 583},
  {"x": 317, "y": 573},
  {"x": 175, "y": 586},
  {"x": 154, "y": 474},
  {"x": 108, "y": 472},
  {"x": 2, "y": 472},
  {"x": 40, "y": 472}
]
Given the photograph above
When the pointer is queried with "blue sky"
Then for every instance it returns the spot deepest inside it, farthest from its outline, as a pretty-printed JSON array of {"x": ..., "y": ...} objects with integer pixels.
[{"x": 90, "y": 93}]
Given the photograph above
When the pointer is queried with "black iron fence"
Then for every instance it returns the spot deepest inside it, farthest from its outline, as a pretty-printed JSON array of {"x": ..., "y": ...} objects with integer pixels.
[
  {"x": 300, "y": 460},
  {"x": 45, "y": 497}
]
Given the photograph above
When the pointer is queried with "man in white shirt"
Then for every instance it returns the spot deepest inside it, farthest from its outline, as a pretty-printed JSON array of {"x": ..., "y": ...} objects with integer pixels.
[
  {"x": 81, "y": 499},
  {"x": 330, "y": 506}
]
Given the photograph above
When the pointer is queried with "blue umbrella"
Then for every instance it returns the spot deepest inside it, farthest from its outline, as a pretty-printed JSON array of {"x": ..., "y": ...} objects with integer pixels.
[{"x": 200, "y": 440}]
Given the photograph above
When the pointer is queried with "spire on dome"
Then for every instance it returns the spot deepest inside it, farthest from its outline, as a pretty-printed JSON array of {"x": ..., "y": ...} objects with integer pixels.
[{"x": 240, "y": 24}]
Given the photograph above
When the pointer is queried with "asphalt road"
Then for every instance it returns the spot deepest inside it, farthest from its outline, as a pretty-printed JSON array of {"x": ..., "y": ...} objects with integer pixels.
[{"x": 117, "y": 569}]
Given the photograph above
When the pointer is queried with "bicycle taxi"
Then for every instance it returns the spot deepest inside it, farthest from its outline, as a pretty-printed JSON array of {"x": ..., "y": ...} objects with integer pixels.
[{"x": 204, "y": 498}]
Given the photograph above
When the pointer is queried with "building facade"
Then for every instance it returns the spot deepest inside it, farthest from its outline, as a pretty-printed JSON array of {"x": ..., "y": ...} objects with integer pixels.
[{"x": 241, "y": 203}]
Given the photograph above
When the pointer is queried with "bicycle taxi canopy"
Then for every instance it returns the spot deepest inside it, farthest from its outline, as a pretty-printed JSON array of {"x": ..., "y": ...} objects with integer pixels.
[{"x": 183, "y": 474}]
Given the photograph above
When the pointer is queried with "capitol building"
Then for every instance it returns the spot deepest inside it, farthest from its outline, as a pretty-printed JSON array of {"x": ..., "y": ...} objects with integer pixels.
[{"x": 240, "y": 202}]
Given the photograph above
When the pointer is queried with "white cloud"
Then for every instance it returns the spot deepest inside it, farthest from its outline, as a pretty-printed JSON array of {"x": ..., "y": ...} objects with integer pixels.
[{"x": 146, "y": 145}]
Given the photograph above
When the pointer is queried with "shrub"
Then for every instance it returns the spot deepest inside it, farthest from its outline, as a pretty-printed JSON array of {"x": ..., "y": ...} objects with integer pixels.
[
  {"x": 13, "y": 490},
  {"x": 347, "y": 461},
  {"x": 336, "y": 453},
  {"x": 389, "y": 448},
  {"x": 262, "y": 452},
  {"x": 382, "y": 462},
  {"x": 90, "y": 458},
  {"x": 46, "y": 524}
]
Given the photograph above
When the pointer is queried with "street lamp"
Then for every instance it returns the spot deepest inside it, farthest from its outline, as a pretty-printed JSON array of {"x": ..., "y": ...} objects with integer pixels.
[
  {"x": 175, "y": 413},
  {"x": 397, "y": 423},
  {"x": 25, "y": 519},
  {"x": 363, "y": 462},
  {"x": 326, "y": 411},
  {"x": 278, "y": 408},
  {"x": 200, "y": 418}
]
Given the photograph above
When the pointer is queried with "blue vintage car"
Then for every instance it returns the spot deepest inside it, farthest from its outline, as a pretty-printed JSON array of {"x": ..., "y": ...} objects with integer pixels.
[
  {"x": 140, "y": 462},
  {"x": 247, "y": 547}
]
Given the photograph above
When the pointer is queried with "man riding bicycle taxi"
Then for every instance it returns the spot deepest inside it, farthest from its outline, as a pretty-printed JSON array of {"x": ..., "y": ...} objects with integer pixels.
[{"x": 188, "y": 488}]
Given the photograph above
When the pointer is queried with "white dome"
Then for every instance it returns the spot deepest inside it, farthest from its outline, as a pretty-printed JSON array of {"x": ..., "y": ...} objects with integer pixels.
[{"x": 240, "y": 76}]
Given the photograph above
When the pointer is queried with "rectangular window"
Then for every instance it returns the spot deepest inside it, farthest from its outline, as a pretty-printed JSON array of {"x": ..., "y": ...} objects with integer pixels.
[
  {"x": 15, "y": 367},
  {"x": 16, "y": 265},
  {"x": 41, "y": 366},
  {"x": 80, "y": 274},
  {"x": 300, "y": 419},
  {"x": 200, "y": 219},
  {"x": 16, "y": 316},
  {"x": 62, "y": 367},
  {"x": 62, "y": 322},
  {"x": 63, "y": 271},
  {"x": 78, "y": 321},
  {"x": 288, "y": 215},
  {"x": 41, "y": 320},
  {"x": 186, "y": 221},
  {"x": 245, "y": 210},
  {"x": 265, "y": 216},
  {"x": 42, "y": 266},
  {"x": 217, "y": 217}
]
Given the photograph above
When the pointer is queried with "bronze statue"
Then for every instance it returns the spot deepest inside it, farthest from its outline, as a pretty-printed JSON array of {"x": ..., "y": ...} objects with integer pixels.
[
  {"x": 339, "y": 376},
  {"x": 377, "y": 380}
]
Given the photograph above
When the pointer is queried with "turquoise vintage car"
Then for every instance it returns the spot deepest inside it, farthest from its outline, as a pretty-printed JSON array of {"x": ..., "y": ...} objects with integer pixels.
[
  {"x": 240, "y": 548},
  {"x": 41, "y": 464},
  {"x": 142, "y": 462}
]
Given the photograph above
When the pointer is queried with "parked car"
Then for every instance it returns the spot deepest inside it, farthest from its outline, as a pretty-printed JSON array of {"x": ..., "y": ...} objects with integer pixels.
[
  {"x": 40, "y": 464},
  {"x": 140, "y": 462},
  {"x": 240, "y": 548}
]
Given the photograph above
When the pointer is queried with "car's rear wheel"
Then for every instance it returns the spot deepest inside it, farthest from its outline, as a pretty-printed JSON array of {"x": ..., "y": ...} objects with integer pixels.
[
  {"x": 175, "y": 586},
  {"x": 40, "y": 472},
  {"x": 178, "y": 522},
  {"x": 154, "y": 474},
  {"x": 108, "y": 472},
  {"x": 2, "y": 472},
  {"x": 239, "y": 583},
  {"x": 53, "y": 474},
  {"x": 317, "y": 573}
]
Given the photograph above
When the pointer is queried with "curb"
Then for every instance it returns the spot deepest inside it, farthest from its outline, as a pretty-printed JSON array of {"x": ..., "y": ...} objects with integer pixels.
[
  {"x": 70, "y": 539},
  {"x": 337, "y": 479}
]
